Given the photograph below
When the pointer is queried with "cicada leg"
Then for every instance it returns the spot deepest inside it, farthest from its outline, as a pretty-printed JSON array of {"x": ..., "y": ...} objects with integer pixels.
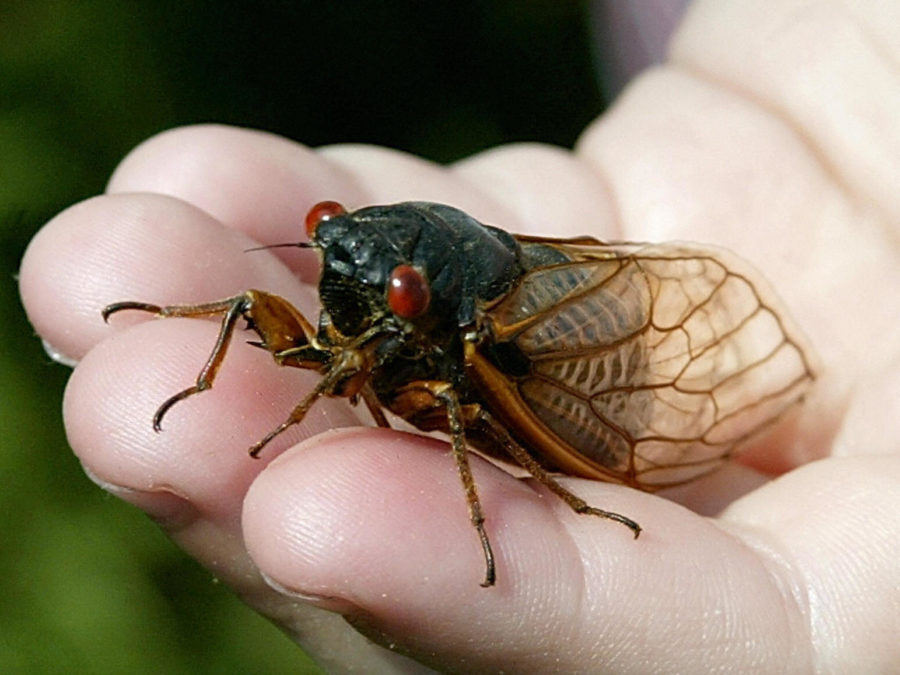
[
  {"x": 456, "y": 424},
  {"x": 433, "y": 405},
  {"x": 370, "y": 398},
  {"x": 275, "y": 320},
  {"x": 296, "y": 416},
  {"x": 518, "y": 453},
  {"x": 351, "y": 365},
  {"x": 430, "y": 405}
]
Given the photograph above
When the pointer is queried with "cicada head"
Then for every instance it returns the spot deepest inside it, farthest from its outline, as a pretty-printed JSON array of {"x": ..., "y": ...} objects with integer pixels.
[{"x": 410, "y": 265}]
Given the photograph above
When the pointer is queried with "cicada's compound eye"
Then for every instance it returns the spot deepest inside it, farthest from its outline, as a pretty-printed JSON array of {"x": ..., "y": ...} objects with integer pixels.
[
  {"x": 322, "y": 211},
  {"x": 408, "y": 292}
]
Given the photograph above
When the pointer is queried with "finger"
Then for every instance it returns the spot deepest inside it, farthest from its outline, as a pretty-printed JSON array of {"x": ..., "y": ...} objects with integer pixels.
[
  {"x": 830, "y": 71},
  {"x": 833, "y": 526},
  {"x": 872, "y": 416},
  {"x": 709, "y": 495},
  {"x": 201, "y": 450},
  {"x": 689, "y": 174},
  {"x": 136, "y": 247},
  {"x": 548, "y": 191},
  {"x": 375, "y": 526},
  {"x": 392, "y": 176},
  {"x": 192, "y": 477},
  {"x": 263, "y": 185},
  {"x": 252, "y": 181}
]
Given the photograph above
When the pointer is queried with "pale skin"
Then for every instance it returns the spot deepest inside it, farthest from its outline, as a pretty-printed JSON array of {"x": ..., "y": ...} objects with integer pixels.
[{"x": 771, "y": 132}]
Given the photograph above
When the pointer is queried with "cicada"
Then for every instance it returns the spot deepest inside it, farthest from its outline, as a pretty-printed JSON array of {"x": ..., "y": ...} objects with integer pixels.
[{"x": 643, "y": 364}]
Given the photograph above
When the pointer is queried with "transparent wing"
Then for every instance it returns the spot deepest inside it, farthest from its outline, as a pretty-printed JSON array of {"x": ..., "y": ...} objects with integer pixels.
[{"x": 654, "y": 363}]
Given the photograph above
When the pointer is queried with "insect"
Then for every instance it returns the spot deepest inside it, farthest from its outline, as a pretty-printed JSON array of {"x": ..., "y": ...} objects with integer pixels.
[{"x": 647, "y": 365}]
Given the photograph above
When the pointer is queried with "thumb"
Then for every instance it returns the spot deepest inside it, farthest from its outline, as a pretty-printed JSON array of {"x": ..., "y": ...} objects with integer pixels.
[{"x": 373, "y": 524}]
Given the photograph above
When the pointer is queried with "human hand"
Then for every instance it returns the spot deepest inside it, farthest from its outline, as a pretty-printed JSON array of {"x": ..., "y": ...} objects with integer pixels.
[{"x": 756, "y": 146}]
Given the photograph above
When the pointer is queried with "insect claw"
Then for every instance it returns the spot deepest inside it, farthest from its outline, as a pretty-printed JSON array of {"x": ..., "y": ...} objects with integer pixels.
[
  {"x": 617, "y": 517},
  {"x": 109, "y": 310},
  {"x": 164, "y": 408},
  {"x": 257, "y": 447},
  {"x": 627, "y": 522},
  {"x": 295, "y": 418},
  {"x": 299, "y": 244},
  {"x": 490, "y": 572},
  {"x": 157, "y": 419}
]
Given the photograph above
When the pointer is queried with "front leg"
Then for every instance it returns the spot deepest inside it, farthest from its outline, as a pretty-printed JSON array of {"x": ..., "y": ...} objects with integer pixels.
[{"x": 280, "y": 326}]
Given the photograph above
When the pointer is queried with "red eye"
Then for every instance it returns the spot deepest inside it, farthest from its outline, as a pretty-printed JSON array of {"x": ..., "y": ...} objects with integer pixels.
[
  {"x": 408, "y": 292},
  {"x": 322, "y": 211}
]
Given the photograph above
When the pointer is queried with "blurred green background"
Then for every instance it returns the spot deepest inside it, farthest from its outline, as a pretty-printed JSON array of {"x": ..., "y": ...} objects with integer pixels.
[{"x": 87, "y": 583}]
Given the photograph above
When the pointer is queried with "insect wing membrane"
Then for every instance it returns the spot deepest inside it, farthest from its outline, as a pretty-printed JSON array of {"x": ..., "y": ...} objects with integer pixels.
[{"x": 652, "y": 363}]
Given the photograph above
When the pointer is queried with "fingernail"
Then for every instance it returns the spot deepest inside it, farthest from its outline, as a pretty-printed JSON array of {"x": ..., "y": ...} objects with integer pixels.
[
  {"x": 330, "y": 602},
  {"x": 163, "y": 505},
  {"x": 58, "y": 356}
]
